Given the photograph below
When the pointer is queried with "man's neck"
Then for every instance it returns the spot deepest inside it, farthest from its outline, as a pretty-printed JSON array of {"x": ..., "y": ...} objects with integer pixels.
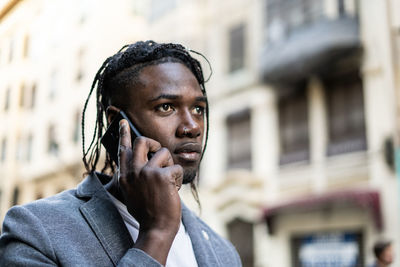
[{"x": 382, "y": 264}]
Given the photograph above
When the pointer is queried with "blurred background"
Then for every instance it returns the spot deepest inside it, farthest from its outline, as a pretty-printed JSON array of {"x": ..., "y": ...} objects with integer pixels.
[{"x": 300, "y": 168}]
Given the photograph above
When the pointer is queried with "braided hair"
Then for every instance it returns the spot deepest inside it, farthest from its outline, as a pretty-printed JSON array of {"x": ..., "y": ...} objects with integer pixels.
[{"x": 122, "y": 69}]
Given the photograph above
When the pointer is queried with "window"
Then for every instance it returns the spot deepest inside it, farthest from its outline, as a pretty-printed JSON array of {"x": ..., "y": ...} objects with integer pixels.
[
  {"x": 22, "y": 96},
  {"x": 25, "y": 51},
  {"x": 76, "y": 131},
  {"x": 15, "y": 196},
  {"x": 52, "y": 145},
  {"x": 33, "y": 96},
  {"x": 346, "y": 120},
  {"x": 293, "y": 125},
  {"x": 3, "y": 149},
  {"x": 239, "y": 140},
  {"x": 29, "y": 145},
  {"x": 7, "y": 99},
  {"x": 341, "y": 7},
  {"x": 237, "y": 48},
  {"x": 53, "y": 84},
  {"x": 335, "y": 248},
  {"x": 11, "y": 51},
  {"x": 241, "y": 236},
  {"x": 284, "y": 16},
  {"x": 19, "y": 155}
]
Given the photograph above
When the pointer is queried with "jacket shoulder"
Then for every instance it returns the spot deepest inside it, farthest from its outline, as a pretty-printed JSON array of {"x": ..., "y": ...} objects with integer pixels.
[{"x": 61, "y": 203}]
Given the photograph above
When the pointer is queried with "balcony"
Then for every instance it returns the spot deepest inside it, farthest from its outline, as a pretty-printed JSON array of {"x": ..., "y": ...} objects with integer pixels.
[{"x": 308, "y": 49}]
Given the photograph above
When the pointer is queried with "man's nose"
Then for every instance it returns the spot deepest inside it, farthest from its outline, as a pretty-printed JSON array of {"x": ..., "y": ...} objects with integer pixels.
[{"x": 188, "y": 126}]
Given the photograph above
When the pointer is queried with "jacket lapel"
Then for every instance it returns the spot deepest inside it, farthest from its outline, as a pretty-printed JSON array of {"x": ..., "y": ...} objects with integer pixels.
[
  {"x": 104, "y": 219},
  {"x": 108, "y": 226},
  {"x": 200, "y": 238}
]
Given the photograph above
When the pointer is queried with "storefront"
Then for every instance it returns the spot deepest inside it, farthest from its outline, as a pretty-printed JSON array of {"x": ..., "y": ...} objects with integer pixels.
[
  {"x": 328, "y": 230},
  {"x": 328, "y": 249}
]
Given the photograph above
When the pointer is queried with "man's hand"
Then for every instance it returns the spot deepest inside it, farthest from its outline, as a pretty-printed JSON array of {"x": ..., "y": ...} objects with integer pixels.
[{"x": 149, "y": 188}]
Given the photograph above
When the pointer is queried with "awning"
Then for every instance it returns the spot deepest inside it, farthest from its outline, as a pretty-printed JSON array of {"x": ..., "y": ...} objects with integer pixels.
[
  {"x": 309, "y": 49},
  {"x": 368, "y": 200}
]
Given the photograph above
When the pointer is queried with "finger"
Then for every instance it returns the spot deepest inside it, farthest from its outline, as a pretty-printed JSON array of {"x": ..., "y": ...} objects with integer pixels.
[
  {"x": 176, "y": 174},
  {"x": 124, "y": 147},
  {"x": 141, "y": 147},
  {"x": 124, "y": 134},
  {"x": 162, "y": 158}
]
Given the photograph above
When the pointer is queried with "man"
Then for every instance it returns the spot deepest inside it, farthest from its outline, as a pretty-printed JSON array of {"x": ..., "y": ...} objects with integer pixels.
[
  {"x": 383, "y": 252},
  {"x": 134, "y": 216}
]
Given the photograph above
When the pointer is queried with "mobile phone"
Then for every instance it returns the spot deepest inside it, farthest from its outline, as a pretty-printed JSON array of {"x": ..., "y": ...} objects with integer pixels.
[{"x": 110, "y": 139}]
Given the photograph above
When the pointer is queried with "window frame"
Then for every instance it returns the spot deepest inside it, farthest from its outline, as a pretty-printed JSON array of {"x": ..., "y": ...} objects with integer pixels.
[{"x": 236, "y": 119}]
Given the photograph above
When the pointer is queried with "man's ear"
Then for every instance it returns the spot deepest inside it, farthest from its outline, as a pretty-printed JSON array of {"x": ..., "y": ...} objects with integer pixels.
[{"x": 111, "y": 111}]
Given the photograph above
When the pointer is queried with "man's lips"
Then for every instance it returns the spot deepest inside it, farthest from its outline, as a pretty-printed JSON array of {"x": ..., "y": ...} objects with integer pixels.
[{"x": 188, "y": 151}]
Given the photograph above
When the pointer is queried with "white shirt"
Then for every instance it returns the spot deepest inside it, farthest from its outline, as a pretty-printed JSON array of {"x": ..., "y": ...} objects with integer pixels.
[{"x": 181, "y": 252}]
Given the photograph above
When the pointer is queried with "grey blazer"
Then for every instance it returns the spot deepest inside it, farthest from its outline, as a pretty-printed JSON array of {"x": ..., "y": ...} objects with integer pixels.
[{"x": 82, "y": 227}]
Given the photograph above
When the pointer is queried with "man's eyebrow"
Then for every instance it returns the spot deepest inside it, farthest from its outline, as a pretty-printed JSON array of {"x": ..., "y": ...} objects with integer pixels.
[
  {"x": 165, "y": 96},
  {"x": 169, "y": 96},
  {"x": 201, "y": 99}
]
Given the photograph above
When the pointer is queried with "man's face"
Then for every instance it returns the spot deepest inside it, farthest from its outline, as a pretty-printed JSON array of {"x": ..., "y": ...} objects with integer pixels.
[
  {"x": 387, "y": 255},
  {"x": 168, "y": 106}
]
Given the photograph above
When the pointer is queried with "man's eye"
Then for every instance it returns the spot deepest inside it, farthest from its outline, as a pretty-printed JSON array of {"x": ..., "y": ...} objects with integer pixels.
[
  {"x": 198, "y": 110},
  {"x": 164, "y": 108}
]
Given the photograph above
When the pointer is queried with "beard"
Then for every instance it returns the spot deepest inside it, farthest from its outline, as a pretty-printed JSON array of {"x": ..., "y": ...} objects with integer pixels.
[{"x": 189, "y": 175}]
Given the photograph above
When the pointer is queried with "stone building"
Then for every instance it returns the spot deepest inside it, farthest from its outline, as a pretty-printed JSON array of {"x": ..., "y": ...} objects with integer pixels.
[{"x": 304, "y": 121}]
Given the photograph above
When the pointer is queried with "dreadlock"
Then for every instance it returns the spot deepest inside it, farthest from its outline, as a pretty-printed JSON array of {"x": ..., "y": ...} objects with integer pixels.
[{"x": 122, "y": 69}]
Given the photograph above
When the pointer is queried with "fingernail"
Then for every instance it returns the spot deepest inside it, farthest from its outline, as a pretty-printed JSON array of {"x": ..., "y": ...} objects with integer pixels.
[{"x": 121, "y": 125}]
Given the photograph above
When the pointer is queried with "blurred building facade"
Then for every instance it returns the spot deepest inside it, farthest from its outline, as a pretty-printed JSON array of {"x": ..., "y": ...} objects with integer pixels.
[
  {"x": 49, "y": 54},
  {"x": 306, "y": 108},
  {"x": 304, "y": 113}
]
